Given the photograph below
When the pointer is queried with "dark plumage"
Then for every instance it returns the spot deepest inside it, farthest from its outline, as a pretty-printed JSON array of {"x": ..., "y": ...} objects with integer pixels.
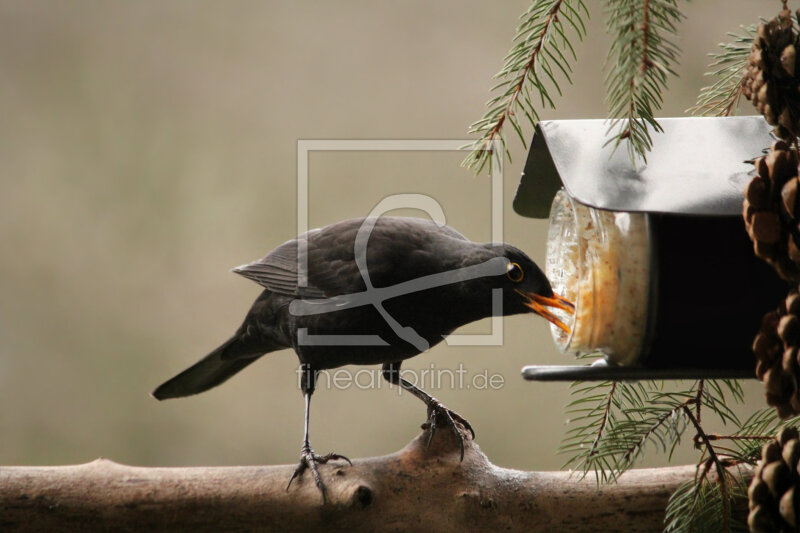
[{"x": 429, "y": 279}]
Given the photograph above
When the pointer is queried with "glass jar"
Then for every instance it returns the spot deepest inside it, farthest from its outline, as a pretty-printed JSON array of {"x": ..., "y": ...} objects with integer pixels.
[{"x": 600, "y": 260}]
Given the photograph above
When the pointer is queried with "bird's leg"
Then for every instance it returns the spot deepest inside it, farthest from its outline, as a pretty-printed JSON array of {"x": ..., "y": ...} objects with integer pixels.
[
  {"x": 457, "y": 423},
  {"x": 308, "y": 459}
]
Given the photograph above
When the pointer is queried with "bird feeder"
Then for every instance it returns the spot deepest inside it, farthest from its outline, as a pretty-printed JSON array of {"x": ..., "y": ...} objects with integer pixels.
[{"x": 654, "y": 255}]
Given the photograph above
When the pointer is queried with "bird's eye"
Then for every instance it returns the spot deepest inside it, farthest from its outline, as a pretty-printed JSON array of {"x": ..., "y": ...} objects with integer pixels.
[{"x": 514, "y": 272}]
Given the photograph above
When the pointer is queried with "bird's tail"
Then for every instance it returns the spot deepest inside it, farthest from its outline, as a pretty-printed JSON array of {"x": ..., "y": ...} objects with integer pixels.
[{"x": 215, "y": 368}]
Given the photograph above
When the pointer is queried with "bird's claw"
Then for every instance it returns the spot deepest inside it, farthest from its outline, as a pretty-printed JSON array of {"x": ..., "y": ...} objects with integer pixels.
[
  {"x": 458, "y": 424},
  {"x": 309, "y": 461}
]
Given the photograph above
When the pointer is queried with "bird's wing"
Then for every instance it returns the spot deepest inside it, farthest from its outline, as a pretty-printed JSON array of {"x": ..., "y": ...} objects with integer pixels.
[
  {"x": 278, "y": 272},
  {"x": 399, "y": 249}
]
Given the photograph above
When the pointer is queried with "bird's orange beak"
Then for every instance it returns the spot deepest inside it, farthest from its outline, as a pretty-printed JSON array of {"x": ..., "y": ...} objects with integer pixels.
[{"x": 538, "y": 303}]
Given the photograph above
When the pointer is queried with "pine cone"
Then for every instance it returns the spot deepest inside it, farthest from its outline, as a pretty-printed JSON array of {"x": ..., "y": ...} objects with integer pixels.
[
  {"x": 776, "y": 349},
  {"x": 774, "y": 495},
  {"x": 771, "y": 81},
  {"x": 769, "y": 210}
]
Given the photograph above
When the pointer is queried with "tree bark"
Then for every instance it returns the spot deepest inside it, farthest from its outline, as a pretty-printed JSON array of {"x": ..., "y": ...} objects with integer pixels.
[{"x": 415, "y": 489}]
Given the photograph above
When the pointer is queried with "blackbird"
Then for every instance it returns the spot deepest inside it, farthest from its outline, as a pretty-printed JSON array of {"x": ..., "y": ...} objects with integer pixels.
[{"x": 371, "y": 291}]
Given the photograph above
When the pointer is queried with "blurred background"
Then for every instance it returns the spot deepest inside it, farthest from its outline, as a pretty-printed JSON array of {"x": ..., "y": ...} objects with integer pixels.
[{"x": 148, "y": 147}]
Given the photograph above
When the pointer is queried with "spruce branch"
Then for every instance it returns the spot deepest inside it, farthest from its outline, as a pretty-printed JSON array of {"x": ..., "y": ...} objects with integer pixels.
[
  {"x": 640, "y": 59},
  {"x": 612, "y": 423},
  {"x": 701, "y": 439},
  {"x": 604, "y": 421},
  {"x": 699, "y": 506},
  {"x": 615, "y": 422},
  {"x": 729, "y": 69},
  {"x": 759, "y": 427},
  {"x": 541, "y": 54},
  {"x": 701, "y": 387},
  {"x": 705, "y": 504},
  {"x": 592, "y": 410}
]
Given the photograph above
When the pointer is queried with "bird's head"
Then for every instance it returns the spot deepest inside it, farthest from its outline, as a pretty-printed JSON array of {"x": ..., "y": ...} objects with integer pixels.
[{"x": 527, "y": 290}]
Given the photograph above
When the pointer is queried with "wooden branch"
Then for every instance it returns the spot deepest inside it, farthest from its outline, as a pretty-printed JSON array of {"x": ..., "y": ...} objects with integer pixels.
[{"x": 415, "y": 489}]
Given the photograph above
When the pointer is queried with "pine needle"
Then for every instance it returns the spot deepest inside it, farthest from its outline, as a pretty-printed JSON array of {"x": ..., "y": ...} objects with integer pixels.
[
  {"x": 729, "y": 68},
  {"x": 641, "y": 58},
  {"x": 540, "y": 56}
]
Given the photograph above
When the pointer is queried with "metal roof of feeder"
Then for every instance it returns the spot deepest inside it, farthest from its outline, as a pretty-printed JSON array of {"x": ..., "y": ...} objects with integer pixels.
[{"x": 704, "y": 156}]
